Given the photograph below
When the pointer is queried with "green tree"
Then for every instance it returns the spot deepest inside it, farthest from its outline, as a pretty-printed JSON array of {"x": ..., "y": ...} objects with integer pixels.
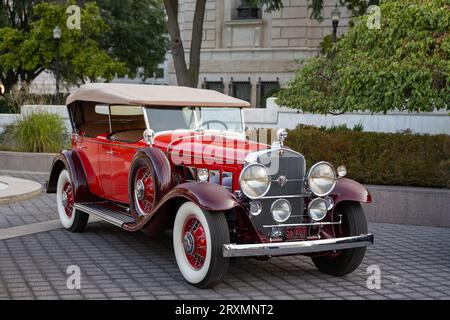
[
  {"x": 27, "y": 47},
  {"x": 138, "y": 34},
  {"x": 404, "y": 65}
]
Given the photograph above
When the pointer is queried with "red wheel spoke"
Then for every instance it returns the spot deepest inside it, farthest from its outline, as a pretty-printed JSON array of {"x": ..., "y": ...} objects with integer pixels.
[{"x": 195, "y": 247}]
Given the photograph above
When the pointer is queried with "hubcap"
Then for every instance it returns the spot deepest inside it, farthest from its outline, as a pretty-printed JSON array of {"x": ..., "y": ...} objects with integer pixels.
[
  {"x": 189, "y": 243},
  {"x": 194, "y": 243},
  {"x": 140, "y": 189}
]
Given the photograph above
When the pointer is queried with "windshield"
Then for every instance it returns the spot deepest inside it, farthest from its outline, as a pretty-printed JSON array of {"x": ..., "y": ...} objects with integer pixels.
[
  {"x": 164, "y": 119},
  {"x": 217, "y": 119},
  {"x": 221, "y": 119}
]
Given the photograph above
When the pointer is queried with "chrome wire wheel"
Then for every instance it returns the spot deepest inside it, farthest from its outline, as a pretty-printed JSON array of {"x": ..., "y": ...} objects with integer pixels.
[
  {"x": 68, "y": 199},
  {"x": 194, "y": 242},
  {"x": 198, "y": 239},
  {"x": 71, "y": 219},
  {"x": 144, "y": 191}
]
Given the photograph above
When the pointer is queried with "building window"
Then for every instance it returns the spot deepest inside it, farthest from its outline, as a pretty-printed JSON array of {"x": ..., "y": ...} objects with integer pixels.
[
  {"x": 241, "y": 90},
  {"x": 247, "y": 11},
  {"x": 265, "y": 90},
  {"x": 214, "y": 85}
]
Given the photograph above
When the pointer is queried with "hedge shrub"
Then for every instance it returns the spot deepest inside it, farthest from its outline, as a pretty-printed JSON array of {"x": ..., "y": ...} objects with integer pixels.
[
  {"x": 37, "y": 132},
  {"x": 401, "y": 159}
]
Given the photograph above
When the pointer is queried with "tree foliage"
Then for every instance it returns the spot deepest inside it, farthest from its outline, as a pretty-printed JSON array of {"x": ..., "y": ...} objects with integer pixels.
[
  {"x": 138, "y": 34},
  {"x": 27, "y": 47},
  {"x": 405, "y": 65}
]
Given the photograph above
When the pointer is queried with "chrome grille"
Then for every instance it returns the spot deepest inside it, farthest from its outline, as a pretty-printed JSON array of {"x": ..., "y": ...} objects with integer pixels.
[{"x": 291, "y": 166}]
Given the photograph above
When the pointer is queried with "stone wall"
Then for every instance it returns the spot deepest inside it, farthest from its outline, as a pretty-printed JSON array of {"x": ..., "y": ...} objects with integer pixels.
[{"x": 266, "y": 48}]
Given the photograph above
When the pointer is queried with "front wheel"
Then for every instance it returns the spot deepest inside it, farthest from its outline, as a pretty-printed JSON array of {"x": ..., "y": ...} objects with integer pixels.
[
  {"x": 71, "y": 219},
  {"x": 198, "y": 239},
  {"x": 346, "y": 261}
]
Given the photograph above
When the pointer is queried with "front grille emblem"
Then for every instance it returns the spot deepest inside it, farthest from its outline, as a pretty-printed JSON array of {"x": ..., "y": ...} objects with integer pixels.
[{"x": 282, "y": 181}]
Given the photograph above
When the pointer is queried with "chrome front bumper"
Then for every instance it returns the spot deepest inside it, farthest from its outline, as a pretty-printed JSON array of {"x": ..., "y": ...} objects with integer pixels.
[{"x": 297, "y": 247}]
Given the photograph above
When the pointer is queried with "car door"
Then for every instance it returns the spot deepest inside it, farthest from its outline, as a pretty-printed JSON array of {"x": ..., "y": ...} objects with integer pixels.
[
  {"x": 115, "y": 165},
  {"x": 87, "y": 149}
]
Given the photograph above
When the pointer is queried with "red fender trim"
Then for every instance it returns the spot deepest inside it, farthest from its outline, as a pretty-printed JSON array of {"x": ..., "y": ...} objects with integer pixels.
[
  {"x": 350, "y": 190},
  {"x": 208, "y": 196},
  {"x": 71, "y": 161}
]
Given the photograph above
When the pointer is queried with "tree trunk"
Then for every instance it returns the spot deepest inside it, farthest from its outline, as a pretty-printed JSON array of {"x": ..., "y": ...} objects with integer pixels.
[{"x": 186, "y": 76}]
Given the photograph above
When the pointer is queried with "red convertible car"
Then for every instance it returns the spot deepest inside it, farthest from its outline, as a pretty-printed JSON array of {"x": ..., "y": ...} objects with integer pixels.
[{"x": 153, "y": 158}]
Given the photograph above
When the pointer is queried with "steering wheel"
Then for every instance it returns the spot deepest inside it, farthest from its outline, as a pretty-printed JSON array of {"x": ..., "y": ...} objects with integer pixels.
[{"x": 207, "y": 123}]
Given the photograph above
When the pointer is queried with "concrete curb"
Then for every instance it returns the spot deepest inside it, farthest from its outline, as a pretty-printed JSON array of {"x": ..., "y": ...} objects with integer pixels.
[
  {"x": 23, "y": 161},
  {"x": 18, "y": 190}
]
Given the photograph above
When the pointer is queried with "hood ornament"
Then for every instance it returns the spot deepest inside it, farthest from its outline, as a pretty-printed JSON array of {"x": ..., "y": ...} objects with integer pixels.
[{"x": 282, "y": 135}]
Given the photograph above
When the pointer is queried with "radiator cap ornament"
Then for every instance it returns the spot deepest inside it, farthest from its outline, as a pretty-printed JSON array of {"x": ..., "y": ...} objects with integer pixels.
[{"x": 282, "y": 135}]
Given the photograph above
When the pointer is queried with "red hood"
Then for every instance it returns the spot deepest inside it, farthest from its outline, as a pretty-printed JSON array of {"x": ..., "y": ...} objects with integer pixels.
[{"x": 190, "y": 147}]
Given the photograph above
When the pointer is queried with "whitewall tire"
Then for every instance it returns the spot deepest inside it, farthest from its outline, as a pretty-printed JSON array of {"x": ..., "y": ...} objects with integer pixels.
[
  {"x": 198, "y": 239},
  {"x": 71, "y": 219}
]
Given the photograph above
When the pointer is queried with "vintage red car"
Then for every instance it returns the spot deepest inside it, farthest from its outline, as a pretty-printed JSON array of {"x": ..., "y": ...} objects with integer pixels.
[{"x": 153, "y": 158}]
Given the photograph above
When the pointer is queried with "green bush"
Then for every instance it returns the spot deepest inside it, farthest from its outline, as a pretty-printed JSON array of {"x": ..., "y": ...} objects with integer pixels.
[
  {"x": 37, "y": 132},
  {"x": 401, "y": 159}
]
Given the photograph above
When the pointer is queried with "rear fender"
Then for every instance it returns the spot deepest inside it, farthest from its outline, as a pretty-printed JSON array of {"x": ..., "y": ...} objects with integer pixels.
[
  {"x": 70, "y": 160},
  {"x": 350, "y": 190}
]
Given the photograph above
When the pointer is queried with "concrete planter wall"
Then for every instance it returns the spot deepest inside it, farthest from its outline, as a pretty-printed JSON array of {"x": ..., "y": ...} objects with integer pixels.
[
  {"x": 28, "y": 162},
  {"x": 404, "y": 205}
]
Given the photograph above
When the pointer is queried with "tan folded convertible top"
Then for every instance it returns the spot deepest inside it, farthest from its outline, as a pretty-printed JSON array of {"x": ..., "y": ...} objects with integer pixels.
[{"x": 151, "y": 95}]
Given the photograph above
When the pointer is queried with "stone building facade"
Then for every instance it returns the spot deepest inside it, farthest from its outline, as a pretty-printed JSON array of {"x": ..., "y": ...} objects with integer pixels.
[{"x": 250, "y": 54}]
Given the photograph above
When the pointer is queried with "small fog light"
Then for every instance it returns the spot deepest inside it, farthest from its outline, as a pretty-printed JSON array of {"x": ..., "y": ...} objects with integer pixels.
[
  {"x": 330, "y": 203},
  {"x": 202, "y": 175},
  {"x": 341, "y": 171},
  {"x": 317, "y": 209},
  {"x": 281, "y": 210},
  {"x": 255, "y": 208}
]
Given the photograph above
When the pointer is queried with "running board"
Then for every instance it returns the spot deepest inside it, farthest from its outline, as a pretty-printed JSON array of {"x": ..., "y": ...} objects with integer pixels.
[{"x": 114, "y": 217}]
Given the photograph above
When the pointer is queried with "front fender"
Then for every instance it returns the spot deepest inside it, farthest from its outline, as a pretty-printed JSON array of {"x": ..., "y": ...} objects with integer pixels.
[
  {"x": 211, "y": 197},
  {"x": 207, "y": 196},
  {"x": 69, "y": 159},
  {"x": 350, "y": 190}
]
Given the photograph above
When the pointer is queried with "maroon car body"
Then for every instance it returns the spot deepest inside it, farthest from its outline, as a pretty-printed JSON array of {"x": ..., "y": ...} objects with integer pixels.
[{"x": 153, "y": 158}]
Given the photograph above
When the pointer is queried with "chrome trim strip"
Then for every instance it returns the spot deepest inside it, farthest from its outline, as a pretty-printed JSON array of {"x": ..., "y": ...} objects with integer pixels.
[
  {"x": 312, "y": 224},
  {"x": 287, "y": 196},
  {"x": 297, "y": 247},
  {"x": 99, "y": 214}
]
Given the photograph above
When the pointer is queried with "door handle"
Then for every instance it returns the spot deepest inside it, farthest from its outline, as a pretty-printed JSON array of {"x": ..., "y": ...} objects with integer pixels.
[
  {"x": 81, "y": 146},
  {"x": 111, "y": 152}
]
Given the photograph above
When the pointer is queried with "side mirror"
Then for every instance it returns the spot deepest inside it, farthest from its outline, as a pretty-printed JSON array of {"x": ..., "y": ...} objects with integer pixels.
[{"x": 149, "y": 136}]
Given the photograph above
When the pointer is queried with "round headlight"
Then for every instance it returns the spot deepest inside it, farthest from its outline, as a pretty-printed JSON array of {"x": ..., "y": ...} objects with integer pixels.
[
  {"x": 317, "y": 209},
  {"x": 281, "y": 210},
  {"x": 255, "y": 181},
  {"x": 321, "y": 179}
]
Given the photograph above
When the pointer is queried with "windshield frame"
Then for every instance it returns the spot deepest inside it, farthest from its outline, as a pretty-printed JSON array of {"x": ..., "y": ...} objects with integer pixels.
[{"x": 197, "y": 121}]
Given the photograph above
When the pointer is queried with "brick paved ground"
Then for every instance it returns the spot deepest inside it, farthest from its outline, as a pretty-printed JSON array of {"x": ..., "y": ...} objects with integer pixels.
[
  {"x": 29, "y": 211},
  {"x": 414, "y": 262}
]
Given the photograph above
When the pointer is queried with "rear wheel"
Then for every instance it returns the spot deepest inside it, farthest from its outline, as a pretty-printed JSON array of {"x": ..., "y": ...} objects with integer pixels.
[
  {"x": 198, "y": 239},
  {"x": 143, "y": 188},
  {"x": 72, "y": 219},
  {"x": 346, "y": 261}
]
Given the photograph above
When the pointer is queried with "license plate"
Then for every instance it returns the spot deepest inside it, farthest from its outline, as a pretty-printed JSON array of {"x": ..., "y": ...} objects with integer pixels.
[{"x": 293, "y": 233}]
